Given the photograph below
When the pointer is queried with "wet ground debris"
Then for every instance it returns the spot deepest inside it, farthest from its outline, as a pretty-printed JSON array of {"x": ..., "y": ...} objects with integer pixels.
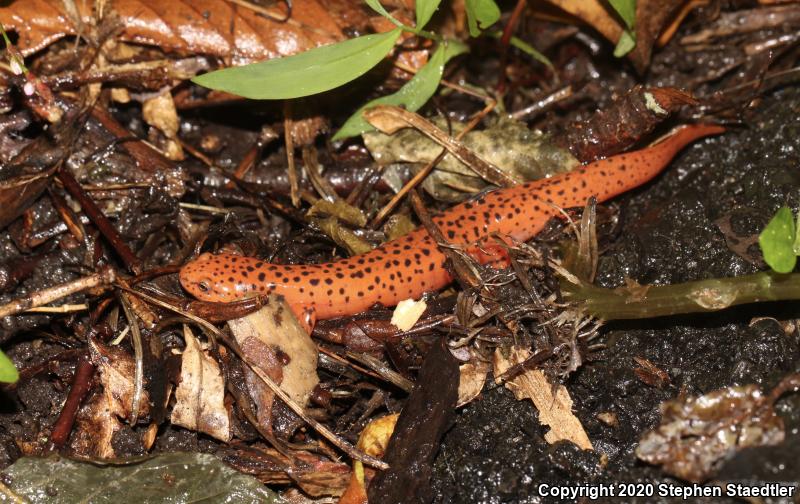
[{"x": 698, "y": 434}]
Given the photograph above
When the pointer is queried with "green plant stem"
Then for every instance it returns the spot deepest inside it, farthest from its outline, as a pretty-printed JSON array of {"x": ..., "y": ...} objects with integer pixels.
[{"x": 646, "y": 301}]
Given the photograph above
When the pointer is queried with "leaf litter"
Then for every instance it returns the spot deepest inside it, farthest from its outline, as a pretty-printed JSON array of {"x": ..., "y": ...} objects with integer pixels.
[{"x": 224, "y": 383}]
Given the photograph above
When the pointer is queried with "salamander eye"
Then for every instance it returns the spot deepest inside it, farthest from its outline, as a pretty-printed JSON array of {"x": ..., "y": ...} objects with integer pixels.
[{"x": 203, "y": 286}]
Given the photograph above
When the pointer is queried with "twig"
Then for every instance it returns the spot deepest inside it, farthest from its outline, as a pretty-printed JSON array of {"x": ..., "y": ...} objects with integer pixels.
[
  {"x": 136, "y": 339},
  {"x": 94, "y": 213},
  {"x": 419, "y": 177},
  {"x": 81, "y": 384},
  {"x": 294, "y": 186},
  {"x": 103, "y": 277},
  {"x": 389, "y": 119},
  {"x": 67, "y": 308}
]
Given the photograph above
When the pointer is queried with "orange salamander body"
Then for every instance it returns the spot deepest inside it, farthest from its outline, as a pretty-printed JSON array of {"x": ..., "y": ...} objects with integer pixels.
[{"x": 411, "y": 265}]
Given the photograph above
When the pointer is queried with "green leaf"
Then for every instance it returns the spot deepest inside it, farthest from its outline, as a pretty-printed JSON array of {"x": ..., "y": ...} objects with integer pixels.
[
  {"x": 311, "y": 72},
  {"x": 8, "y": 373},
  {"x": 170, "y": 478},
  {"x": 380, "y": 9},
  {"x": 777, "y": 241},
  {"x": 425, "y": 10},
  {"x": 481, "y": 14},
  {"x": 626, "y": 10},
  {"x": 414, "y": 93},
  {"x": 626, "y": 43}
]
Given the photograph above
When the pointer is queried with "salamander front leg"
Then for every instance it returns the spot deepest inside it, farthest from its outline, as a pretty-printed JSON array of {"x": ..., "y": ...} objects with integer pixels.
[{"x": 306, "y": 316}]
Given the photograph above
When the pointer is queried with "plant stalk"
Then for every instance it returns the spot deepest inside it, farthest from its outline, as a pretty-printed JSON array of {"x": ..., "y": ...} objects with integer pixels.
[{"x": 646, "y": 301}]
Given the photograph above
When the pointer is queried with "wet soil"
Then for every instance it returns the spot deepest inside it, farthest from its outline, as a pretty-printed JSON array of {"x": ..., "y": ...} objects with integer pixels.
[{"x": 698, "y": 220}]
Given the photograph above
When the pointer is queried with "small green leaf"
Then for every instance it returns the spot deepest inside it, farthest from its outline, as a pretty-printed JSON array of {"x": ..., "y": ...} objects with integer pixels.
[
  {"x": 380, "y": 9},
  {"x": 626, "y": 10},
  {"x": 481, "y": 14},
  {"x": 796, "y": 246},
  {"x": 777, "y": 241},
  {"x": 311, "y": 72},
  {"x": 8, "y": 373},
  {"x": 414, "y": 93},
  {"x": 425, "y": 10},
  {"x": 626, "y": 43}
]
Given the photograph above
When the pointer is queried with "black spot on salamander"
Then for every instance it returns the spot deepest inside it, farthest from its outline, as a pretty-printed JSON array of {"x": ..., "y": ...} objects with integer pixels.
[{"x": 314, "y": 282}]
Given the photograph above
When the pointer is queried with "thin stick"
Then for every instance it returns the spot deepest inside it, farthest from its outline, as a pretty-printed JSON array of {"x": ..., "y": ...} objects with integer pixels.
[
  {"x": 419, "y": 177},
  {"x": 97, "y": 217},
  {"x": 45, "y": 296},
  {"x": 81, "y": 384},
  {"x": 67, "y": 308},
  {"x": 294, "y": 186}
]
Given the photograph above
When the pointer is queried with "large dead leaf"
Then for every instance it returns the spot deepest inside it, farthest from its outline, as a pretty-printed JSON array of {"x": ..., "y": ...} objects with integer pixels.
[
  {"x": 273, "y": 339},
  {"x": 213, "y": 27},
  {"x": 173, "y": 477}
]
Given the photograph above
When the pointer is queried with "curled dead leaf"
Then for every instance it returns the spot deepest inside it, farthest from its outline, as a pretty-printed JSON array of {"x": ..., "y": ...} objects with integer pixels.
[
  {"x": 99, "y": 418},
  {"x": 200, "y": 395}
]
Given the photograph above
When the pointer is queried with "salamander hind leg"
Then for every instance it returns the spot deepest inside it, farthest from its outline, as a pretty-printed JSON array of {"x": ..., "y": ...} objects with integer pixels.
[{"x": 488, "y": 251}]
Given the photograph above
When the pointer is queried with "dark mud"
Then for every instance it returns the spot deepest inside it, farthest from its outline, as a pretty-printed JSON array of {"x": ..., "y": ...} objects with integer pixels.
[{"x": 698, "y": 220}]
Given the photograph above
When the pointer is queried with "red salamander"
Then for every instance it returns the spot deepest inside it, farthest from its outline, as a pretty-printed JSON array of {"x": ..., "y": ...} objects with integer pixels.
[{"x": 412, "y": 265}]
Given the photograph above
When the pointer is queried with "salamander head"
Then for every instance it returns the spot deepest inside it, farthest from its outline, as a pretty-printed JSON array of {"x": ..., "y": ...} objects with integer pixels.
[{"x": 212, "y": 278}]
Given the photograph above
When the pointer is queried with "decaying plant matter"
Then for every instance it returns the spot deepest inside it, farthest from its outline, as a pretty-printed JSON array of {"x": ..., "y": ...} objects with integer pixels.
[{"x": 128, "y": 151}]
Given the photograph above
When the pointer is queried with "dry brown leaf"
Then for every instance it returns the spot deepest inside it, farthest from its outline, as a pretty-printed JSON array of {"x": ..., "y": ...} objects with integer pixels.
[
  {"x": 652, "y": 16},
  {"x": 98, "y": 419},
  {"x": 159, "y": 112},
  {"x": 273, "y": 339},
  {"x": 116, "y": 369},
  {"x": 554, "y": 411},
  {"x": 471, "y": 380},
  {"x": 94, "y": 429},
  {"x": 213, "y": 27},
  {"x": 200, "y": 395},
  {"x": 19, "y": 190}
]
